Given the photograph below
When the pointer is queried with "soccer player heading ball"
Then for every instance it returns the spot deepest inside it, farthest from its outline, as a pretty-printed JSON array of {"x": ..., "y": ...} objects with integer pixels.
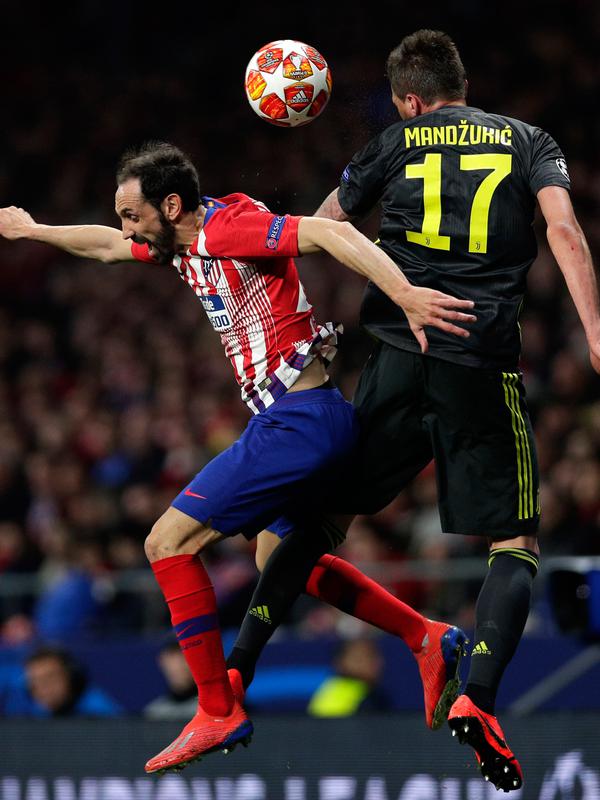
[
  {"x": 238, "y": 259},
  {"x": 457, "y": 188}
]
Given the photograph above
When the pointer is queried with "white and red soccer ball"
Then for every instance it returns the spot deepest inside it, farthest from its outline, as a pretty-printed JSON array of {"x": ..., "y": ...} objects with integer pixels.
[{"x": 288, "y": 83}]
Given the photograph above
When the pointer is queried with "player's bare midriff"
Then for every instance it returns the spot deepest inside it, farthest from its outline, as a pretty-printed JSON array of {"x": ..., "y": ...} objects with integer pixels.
[{"x": 313, "y": 375}]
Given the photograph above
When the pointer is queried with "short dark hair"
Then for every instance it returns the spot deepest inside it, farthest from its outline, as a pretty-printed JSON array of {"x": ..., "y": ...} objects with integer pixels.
[
  {"x": 75, "y": 671},
  {"x": 162, "y": 169},
  {"x": 428, "y": 64}
]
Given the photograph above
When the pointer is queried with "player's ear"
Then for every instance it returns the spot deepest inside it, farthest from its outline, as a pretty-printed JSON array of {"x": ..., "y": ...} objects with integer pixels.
[
  {"x": 172, "y": 207},
  {"x": 416, "y": 105},
  {"x": 413, "y": 106}
]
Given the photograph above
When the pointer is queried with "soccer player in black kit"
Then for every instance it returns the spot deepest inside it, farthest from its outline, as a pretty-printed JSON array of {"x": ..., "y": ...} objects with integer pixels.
[{"x": 457, "y": 188}]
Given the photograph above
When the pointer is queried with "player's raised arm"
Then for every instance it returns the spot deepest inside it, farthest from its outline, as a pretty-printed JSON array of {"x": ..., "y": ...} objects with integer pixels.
[
  {"x": 330, "y": 208},
  {"x": 88, "y": 241},
  {"x": 422, "y": 306},
  {"x": 570, "y": 249}
]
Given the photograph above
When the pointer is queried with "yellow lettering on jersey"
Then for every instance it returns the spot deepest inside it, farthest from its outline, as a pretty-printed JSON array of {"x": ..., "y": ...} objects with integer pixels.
[
  {"x": 506, "y": 136},
  {"x": 500, "y": 165},
  {"x": 462, "y": 135},
  {"x": 426, "y": 136},
  {"x": 439, "y": 134},
  {"x": 430, "y": 172},
  {"x": 412, "y": 136},
  {"x": 487, "y": 135},
  {"x": 475, "y": 134}
]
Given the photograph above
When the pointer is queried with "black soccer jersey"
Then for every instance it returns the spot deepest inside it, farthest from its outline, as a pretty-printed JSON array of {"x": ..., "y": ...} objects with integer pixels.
[{"x": 457, "y": 189}]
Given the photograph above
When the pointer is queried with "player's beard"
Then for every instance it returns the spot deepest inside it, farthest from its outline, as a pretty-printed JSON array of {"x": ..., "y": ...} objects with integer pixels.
[{"x": 163, "y": 246}]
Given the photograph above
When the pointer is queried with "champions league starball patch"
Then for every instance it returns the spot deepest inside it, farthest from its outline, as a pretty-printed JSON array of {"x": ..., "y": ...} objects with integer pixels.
[{"x": 274, "y": 233}]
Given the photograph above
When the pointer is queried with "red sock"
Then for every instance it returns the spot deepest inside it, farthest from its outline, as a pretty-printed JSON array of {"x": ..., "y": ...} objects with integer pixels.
[
  {"x": 189, "y": 593},
  {"x": 341, "y": 585}
]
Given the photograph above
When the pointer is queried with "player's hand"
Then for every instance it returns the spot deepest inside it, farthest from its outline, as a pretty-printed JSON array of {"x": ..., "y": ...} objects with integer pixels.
[
  {"x": 15, "y": 223},
  {"x": 430, "y": 307}
]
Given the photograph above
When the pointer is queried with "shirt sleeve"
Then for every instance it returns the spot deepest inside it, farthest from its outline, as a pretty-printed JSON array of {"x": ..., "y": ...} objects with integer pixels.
[
  {"x": 548, "y": 165},
  {"x": 362, "y": 182},
  {"x": 140, "y": 253},
  {"x": 249, "y": 233}
]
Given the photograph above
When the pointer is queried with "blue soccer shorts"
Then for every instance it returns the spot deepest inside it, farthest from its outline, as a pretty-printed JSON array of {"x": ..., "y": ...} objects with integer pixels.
[{"x": 280, "y": 466}]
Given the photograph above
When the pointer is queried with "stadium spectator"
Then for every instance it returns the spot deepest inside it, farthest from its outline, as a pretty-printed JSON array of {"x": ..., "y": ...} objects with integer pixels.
[
  {"x": 181, "y": 699},
  {"x": 55, "y": 685},
  {"x": 354, "y": 688}
]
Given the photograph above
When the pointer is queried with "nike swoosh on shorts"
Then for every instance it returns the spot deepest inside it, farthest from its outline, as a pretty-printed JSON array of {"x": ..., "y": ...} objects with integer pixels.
[{"x": 189, "y": 493}]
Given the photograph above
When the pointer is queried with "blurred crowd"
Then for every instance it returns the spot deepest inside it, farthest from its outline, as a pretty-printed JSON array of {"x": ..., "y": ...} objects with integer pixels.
[{"x": 114, "y": 390}]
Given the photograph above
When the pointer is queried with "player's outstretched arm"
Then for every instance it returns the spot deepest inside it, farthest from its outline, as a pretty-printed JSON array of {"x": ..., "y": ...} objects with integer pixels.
[
  {"x": 421, "y": 306},
  {"x": 88, "y": 241},
  {"x": 570, "y": 249}
]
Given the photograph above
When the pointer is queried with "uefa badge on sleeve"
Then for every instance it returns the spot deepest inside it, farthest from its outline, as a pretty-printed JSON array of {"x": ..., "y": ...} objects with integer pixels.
[{"x": 274, "y": 233}]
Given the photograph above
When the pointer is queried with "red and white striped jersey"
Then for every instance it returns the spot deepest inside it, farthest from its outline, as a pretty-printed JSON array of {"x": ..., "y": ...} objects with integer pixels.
[{"x": 241, "y": 267}]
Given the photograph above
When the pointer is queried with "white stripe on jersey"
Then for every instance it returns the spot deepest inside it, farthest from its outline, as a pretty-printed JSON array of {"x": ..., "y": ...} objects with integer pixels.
[
  {"x": 303, "y": 304},
  {"x": 258, "y": 317},
  {"x": 201, "y": 244},
  {"x": 233, "y": 350},
  {"x": 251, "y": 338}
]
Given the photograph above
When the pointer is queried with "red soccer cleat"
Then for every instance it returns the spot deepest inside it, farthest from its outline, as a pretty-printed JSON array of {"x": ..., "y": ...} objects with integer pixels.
[
  {"x": 439, "y": 662},
  {"x": 204, "y": 734},
  {"x": 482, "y": 731}
]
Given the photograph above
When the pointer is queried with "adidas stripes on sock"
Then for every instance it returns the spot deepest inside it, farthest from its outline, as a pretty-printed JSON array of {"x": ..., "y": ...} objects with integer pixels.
[
  {"x": 500, "y": 617},
  {"x": 282, "y": 581}
]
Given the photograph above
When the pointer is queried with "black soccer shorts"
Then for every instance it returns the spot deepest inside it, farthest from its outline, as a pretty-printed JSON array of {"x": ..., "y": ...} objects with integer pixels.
[{"x": 473, "y": 421}]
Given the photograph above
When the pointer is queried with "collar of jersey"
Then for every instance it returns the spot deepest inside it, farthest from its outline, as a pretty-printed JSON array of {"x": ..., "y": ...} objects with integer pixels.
[
  {"x": 453, "y": 108},
  {"x": 211, "y": 206}
]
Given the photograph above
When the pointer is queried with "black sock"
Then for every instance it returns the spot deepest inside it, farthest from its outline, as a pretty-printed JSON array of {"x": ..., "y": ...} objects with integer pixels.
[
  {"x": 500, "y": 617},
  {"x": 283, "y": 579}
]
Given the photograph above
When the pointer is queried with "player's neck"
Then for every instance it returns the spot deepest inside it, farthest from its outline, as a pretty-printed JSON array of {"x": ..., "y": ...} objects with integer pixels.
[
  {"x": 188, "y": 228},
  {"x": 443, "y": 104}
]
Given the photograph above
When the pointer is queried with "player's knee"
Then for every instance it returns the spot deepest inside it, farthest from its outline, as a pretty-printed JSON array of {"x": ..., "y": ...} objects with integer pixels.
[
  {"x": 525, "y": 542},
  {"x": 153, "y": 544},
  {"x": 170, "y": 537},
  {"x": 160, "y": 543},
  {"x": 523, "y": 550}
]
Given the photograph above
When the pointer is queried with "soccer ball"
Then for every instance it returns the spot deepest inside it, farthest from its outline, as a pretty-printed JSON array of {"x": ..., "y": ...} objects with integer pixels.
[{"x": 288, "y": 83}]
